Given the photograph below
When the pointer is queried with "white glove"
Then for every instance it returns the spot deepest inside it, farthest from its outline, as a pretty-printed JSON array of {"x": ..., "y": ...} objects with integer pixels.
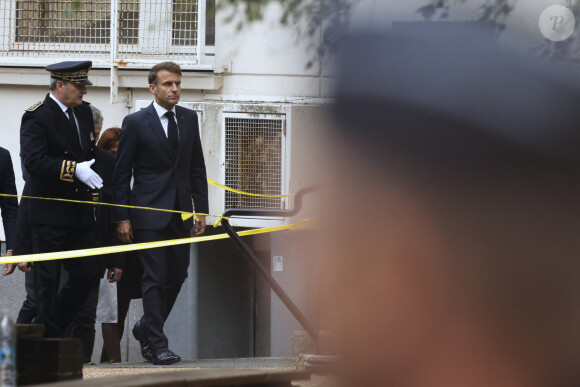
[{"x": 85, "y": 174}]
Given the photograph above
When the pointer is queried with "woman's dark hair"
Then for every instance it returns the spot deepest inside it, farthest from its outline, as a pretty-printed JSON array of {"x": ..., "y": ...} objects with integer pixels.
[{"x": 109, "y": 138}]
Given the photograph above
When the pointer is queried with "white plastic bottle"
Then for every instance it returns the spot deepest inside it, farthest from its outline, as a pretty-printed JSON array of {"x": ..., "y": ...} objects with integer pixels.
[{"x": 7, "y": 351}]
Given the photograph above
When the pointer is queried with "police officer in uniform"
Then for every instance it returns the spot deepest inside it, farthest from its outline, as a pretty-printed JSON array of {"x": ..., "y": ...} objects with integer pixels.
[{"x": 57, "y": 145}]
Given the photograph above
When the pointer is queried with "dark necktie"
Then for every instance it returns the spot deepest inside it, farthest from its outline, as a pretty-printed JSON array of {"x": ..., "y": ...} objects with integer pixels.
[
  {"x": 71, "y": 119},
  {"x": 172, "y": 135}
]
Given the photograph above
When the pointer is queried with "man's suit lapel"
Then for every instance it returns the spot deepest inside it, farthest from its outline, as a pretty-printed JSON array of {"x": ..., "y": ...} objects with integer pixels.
[
  {"x": 157, "y": 129},
  {"x": 183, "y": 128}
]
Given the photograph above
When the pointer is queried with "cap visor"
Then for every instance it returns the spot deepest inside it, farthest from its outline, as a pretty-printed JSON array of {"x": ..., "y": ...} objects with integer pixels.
[{"x": 86, "y": 82}]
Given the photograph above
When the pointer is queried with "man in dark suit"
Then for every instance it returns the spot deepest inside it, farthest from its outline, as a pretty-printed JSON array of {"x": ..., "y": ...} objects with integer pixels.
[
  {"x": 57, "y": 148},
  {"x": 161, "y": 149},
  {"x": 8, "y": 205}
]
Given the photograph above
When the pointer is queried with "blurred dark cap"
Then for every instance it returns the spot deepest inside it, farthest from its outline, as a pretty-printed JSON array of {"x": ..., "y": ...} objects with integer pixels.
[{"x": 455, "y": 95}]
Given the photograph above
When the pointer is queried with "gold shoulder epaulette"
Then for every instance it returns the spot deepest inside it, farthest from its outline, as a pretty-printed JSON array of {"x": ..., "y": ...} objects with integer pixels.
[{"x": 34, "y": 106}]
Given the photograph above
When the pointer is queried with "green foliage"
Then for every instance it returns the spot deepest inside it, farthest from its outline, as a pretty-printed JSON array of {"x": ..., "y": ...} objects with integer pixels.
[
  {"x": 329, "y": 17},
  {"x": 493, "y": 12}
]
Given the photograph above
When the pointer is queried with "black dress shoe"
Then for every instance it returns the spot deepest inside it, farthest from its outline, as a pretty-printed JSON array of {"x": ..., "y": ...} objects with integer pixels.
[
  {"x": 165, "y": 356},
  {"x": 146, "y": 350}
]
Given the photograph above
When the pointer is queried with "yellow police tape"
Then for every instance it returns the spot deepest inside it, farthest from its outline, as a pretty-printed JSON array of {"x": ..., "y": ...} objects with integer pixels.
[
  {"x": 148, "y": 245},
  {"x": 184, "y": 215},
  {"x": 216, "y": 184}
]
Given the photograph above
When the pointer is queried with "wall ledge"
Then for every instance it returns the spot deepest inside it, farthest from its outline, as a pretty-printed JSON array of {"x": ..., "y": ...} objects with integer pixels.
[{"x": 191, "y": 80}]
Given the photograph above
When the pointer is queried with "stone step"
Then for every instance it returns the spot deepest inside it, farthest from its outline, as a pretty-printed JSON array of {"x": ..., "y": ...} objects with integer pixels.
[
  {"x": 319, "y": 364},
  {"x": 222, "y": 377}
]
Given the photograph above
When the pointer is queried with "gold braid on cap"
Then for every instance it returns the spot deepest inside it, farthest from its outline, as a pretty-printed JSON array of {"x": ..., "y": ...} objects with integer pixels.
[{"x": 81, "y": 75}]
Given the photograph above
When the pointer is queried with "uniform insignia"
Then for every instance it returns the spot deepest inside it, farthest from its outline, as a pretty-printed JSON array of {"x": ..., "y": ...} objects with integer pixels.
[
  {"x": 67, "y": 171},
  {"x": 92, "y": 136},
  {"x": 34, "y": 106}
]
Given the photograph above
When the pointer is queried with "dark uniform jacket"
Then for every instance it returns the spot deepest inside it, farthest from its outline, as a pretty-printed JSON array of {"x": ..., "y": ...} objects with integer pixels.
[
  {"x": 162, "y": 178},
  {"x": 50, "y": 150},
  {"x": 8, "y": 205}
]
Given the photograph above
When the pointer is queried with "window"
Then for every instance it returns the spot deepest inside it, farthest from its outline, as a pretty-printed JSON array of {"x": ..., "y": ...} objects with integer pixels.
[{"x": 127, "y": 33}]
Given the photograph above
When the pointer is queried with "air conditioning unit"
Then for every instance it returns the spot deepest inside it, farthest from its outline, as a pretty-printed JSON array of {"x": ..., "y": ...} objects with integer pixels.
[{"x": 254, "y": 160}]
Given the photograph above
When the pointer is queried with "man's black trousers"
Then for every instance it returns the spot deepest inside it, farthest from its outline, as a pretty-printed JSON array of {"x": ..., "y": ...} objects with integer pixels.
[
  {"x": 164, "y": 271},
  {"x": 58, "y": 307}
]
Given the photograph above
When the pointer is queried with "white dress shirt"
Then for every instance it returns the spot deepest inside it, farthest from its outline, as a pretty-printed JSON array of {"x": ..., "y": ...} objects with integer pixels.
[{"x": 163, "y": 118}]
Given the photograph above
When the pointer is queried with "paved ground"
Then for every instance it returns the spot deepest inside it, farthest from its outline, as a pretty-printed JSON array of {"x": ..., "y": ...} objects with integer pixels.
[{"x": 118, "y": 369}]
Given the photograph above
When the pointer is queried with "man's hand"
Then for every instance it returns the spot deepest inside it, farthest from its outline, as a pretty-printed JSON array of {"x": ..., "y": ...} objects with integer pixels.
[
  {"x": 25, "y": 267},
  {"x": 9, "y": 267},
  {"x": 114, "y": 274},
  {"x": 85, "y": 174},
  {"x": 199, "y": 227},
  {"x": 125, "y": 232}
]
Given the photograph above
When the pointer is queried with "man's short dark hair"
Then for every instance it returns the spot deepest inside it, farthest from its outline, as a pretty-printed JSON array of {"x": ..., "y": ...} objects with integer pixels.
[{"x": 172, "y": 67}]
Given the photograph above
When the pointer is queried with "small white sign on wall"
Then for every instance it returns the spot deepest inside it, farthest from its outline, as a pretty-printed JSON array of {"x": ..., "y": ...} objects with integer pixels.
[{"x": 278, "y": 263}]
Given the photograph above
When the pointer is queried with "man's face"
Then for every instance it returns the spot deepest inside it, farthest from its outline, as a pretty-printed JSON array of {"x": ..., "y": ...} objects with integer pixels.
[
  {"x": 167, "y": 89},
  {"x": 71, "y": 93}
]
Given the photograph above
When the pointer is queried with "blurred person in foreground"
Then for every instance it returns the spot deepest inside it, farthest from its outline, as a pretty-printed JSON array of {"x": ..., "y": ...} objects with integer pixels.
[{"x": 462, "y": 163}]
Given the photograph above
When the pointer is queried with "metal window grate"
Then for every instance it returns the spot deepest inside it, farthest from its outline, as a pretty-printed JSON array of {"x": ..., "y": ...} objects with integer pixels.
[
  {"x": 62, "y": 21},
  {"x": 254, "y": 162},
  {"x": 128, "y": 28},
  {"x": 164, "y": 30},
  {"x": 184, "y": 23},
  {"x": 146, "y": 30}
]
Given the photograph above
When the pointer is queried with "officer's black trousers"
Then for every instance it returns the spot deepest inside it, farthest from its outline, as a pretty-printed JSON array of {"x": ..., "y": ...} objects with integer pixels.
[
  {"x": 56, "y": 308},
  {"x": 27, "y": 312}
]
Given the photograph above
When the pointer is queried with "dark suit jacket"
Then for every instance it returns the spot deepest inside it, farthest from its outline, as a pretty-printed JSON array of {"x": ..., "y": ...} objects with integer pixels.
[
  {"x": 50, "y": 149},
  {"x": 8, "y": 206},
  {"x": 162, "y": 179},
  {"x": 106, "y": 230}
]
